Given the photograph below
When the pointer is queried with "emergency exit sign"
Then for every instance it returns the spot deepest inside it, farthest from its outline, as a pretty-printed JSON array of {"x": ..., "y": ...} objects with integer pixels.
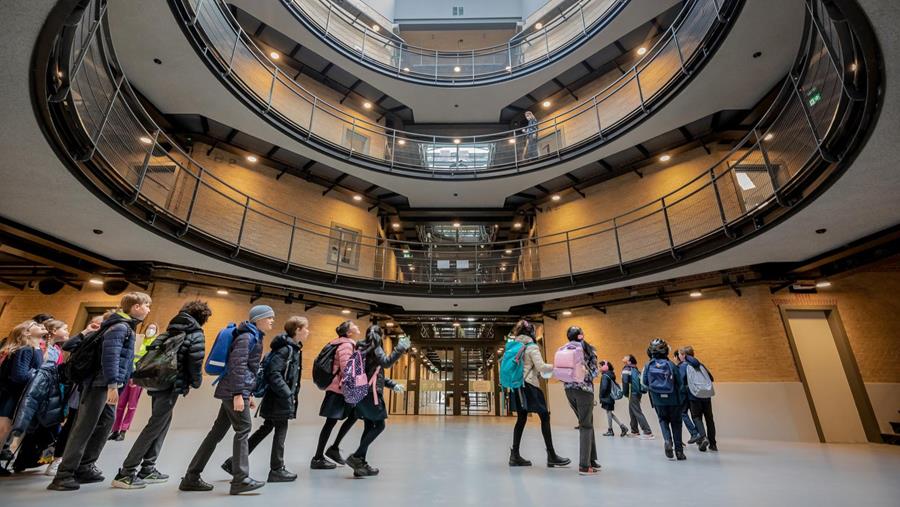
[{"x": 813, "y": 96}]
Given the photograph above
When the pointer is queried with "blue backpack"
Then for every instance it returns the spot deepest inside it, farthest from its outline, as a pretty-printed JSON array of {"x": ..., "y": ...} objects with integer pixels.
[
  {"x": 512, "y": 369},
  {"x": 660, "y": 377},
  {"x": 217, "y": 360}
]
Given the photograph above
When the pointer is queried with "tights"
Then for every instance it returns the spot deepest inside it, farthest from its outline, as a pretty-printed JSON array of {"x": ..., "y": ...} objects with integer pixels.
[
  {"x": 521, "y": 419},
  {"x": 326, "y": 433},
  {"x": 370, "y": 433}
]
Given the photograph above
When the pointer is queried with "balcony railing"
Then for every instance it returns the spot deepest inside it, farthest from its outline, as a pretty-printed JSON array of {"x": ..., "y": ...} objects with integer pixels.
[
  {"x": 386, "y": 52},
  {"x": 817, "y": 122},
  {"x": 349, "y": 135}
]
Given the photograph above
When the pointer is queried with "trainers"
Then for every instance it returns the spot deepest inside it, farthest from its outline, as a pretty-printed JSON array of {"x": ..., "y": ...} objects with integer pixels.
[
  {"x": 588, "y": 471},
  {"x": 633, "y": 435},
  {"x": 703, "y": 445},
  {"x": 596, "y": 465},
  {"x": 152, "y": 476},
  {"x": 360, "y": 467},
  {"x": 679, "y": 455},
  {"x": 282, "y": 475},
  {"x": 321, "y": 464},
  {"x": 69, "y": 484},
  {"x": 196, "y": 483},
  {"x": 90, "y": 476},
  {"x": 53, "y": 467},
  {"x": 334, "y": 454},
  {"x": 609, "y": 433},
  {"x": 694, "y": 439},
  {"x": 647, "y": 436},
  {"x": 669, "y": 453},
  {"x": 624, "y": 431},
  {"x": 128, "y": 481},
  {"x": 114, "y": 436},
  {"x": 246, "y": 486}
]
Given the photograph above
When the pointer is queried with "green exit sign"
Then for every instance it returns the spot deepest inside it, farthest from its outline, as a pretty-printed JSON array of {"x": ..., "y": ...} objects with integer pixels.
[{"x": 813, "y": 96}]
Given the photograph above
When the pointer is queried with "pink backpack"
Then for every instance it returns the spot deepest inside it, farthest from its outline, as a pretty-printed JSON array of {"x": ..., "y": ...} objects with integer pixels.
[
  {"x": 355, "y": 384},
  {"x": 568, "y": 363}
]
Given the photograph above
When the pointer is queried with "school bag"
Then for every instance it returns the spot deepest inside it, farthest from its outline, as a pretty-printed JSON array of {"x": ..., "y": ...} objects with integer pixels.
[
  {"x": 157, "y": 370},
  {"x": 568, "y": 363},
  {"x": 699, "y": 383},
  {"x": 635, "y": 378},
  {"x": 84, "y": 362},
  {"x": 355, "y": 384},
  {"x": 512, "y": 368},
  {"x": 615, "y": 391},
  {"x": 217, "y": 359},
  {"x": 323, "y": 367},
  {"x": 262, "y": 381},
  {"x": 660, "y": 377}
]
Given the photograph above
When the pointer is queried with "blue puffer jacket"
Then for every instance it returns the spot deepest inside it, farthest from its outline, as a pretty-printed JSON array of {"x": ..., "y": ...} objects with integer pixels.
[
  {"x": 117, "y": 354},
  {"x": 41, "y": 404},
  {"x": 20, "y": 369},
  {"x": 243, "y": 363}
]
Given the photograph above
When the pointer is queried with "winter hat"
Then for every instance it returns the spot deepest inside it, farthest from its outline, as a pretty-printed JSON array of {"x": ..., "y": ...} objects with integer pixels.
[{"x": 261, "y": 312}]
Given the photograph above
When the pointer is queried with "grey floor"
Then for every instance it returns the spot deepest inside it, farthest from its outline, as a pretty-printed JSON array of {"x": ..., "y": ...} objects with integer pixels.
[{"x": 462, "y": 461}]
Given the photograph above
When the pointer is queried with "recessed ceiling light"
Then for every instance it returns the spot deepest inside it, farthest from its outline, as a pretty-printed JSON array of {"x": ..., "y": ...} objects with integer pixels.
[
  {"x": 146, "y": 140},
  {"x": 95, "y": 281},
  {"x": 556, "y": 197},
  {"x": 275, "y": 55},
  {"x": 517, "y": 225},
  {"x": 471, "y": 319},
  {"x": 375, "y": 28},
  {"x": 566, "y": 313},
  {"x": 457, "y": 224},
  {"x": 665, "y": 158},
  {"x": 769, "y": 137},
  {"x": 401, "y": 142},
  {"x": 222, "y": 292},
  {"x": 456, "y": 69},
  {"x": 251, "y": 158},
  {"x": 357, "y": 197},
  {"x": 412, "y": 268},
  {"x": 824, "y": 284},
  {"x": 512, "y": 141},
  {"x": 508, "y": 251},
  {"x": 457, "y": 141},
  {"x": 456, "y": 324},
  {"x": 395, "y": 225},
  {"x": 538, "y": 26},
  {"x": 367, "y": 105},
  {"x": 853, "y": 67},
  {"x": 546, "y": 103},
  {"x": 502, "y": 268},
  {"x": 641, "y": 50},
  {"x": 696, "y": 294}
]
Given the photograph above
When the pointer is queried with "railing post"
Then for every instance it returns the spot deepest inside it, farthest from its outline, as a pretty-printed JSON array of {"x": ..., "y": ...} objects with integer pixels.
[
  {"x": 547, "y": 42},
  {"x": 384, "y": 252},
  {"x": 90, "y": 39},
  {"x": 712, "y": 177},
  {"x": 665, "y": 211},
  {"x": 435, "y": 65},
  {"x": 509, "y": 54},
  {"x": 618, "y": 246},
  {"x": 828, "y": 157},
  {"x": 597, "y": 114},
  {"x": 312, "y": 112},
  {"x": 340, "y": 252},
  {"x": 287, "y": 263},
  {"x": 106, "y": 115},
  {"x": 569, "y": 255},
  {"x": 193, "y": 20},
  {"x": 393, "y": 148},
  {"x": 680, "y": 55},
  {"x": 473, "y": 65},
  {"x": 558, "y": 137},
  {"x": 237, "y": 39},
  {"x": 521, "y": 262},
  {"x": 477, "y": 246},
  {"x": 515, "y": 149},
  {"x": 241, "y": 230},
  {"x": 400, "y": 59},
  {"x": 583, "y": 23},
  {"x": 770, "y": 169},
  {"x": 328, "y": 17},
  {"x": 271, "y": 91},
  {"x": 637, "y": 76},
  {"x": 352, "y": 132},
  {"x": 144, "y": 166},
  {"x": 362, "y": 53},
  {"x": 190, "y": 214}
]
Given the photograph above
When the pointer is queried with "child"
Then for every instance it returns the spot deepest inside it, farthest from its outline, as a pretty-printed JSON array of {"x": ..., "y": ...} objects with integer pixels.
[
  {"x": 607, "y": 402},
  {"x": 131, "y": 395},
  {"x": 664, "y": 383}
]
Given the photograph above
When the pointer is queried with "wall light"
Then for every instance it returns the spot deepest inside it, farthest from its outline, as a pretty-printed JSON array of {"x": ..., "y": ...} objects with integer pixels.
[
  {"x": 456, "y": 69},
  {"x": 357, "y": 197},
  {"x": 824, "y": 284},
  {"x": 345, "y": 311},
  {"x": 512, "y": 141},
  {"x": 457, "y": 224},
  {"x": 456, "y": 324},
  {"x": 556, "y": 197},
  {"x": 375, "y": 28},
  {"x": 401, "y": 142},
  {"x": 457, "y": 141},
  {"x": 696, "y": 294},
  {"x": 95, "y": 281},
  {"x": 665, "y": 158},
  {"x": 222, "y": 292},
  {"x": 769, "y": 137},
  {"x": 275, "y": 55},
  {"x": 517, "y": 225},
  {"x": 146, "y": 140},
  {"x": 252, "y": 159},
  {"x": 641, "y": 51},
  {"x": 405, "y": 69},
  {"x": 508, "y": 251},
  {"x": 395, "y": 225},
  {"x": 567, "y": 313}
]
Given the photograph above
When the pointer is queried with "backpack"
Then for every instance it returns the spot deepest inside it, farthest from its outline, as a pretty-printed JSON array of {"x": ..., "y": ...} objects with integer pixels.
[
  {"x": 699, "y": 383},
  {"x": 660, "y": 377},
  {"x": 262, "y": 381},
  {"x": 217, "y": 360},
  {"x": 157, "y": 370},
  {"x": 568, "y": 363},
  {"x": 634, "y": 377},
  {"x": 355, "y": 384},
  {"x": 84, "y": 362},
  {"x": 323, "y": 367},
  {"x": 512, "y": 368},
  {"x": 615, "y": 391}
]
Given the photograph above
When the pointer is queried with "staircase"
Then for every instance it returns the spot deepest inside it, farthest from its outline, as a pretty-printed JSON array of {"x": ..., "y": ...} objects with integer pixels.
[{"x": 892, "y": 438}]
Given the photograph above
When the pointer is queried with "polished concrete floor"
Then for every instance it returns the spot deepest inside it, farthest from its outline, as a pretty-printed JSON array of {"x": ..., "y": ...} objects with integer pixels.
[{"x": 462, "y": 461}]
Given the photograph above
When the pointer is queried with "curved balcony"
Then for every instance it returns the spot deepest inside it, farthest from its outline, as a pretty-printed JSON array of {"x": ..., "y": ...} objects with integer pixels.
[
  {"x": 260, "y": 83},
  {"x": 379, "y": 49},
  {"x": 807, "y": 138}
]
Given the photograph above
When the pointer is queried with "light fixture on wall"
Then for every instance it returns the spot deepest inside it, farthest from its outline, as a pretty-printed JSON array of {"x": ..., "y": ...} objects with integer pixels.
[
  {"x": 401, "y": 142},
  {"x": 456, "y": 69},
  {"x": 395, "y": 225},
  {"x": 345, "y": 311},
  {"x": 823, "y": 284},
  {"x": 512, "y": 141},
  {"x": 696, "y": 294},
  {"x": 503, "y": 268},
  {"x": 457, "y": 224},
  {"x": 457, "y": 141},
  {"x": 555, "y": 197},
  {"x": 375, "y": 28},
  {"x": 508, "y": 251},
  {"x": 222, "y": 292},
  {"x": 517, "y": 225},
  {"x": 405, "y": 69},
  {"x": 641, "y": 51},
  {"x": 567, "y": 313},
  {"x": 769, "y": 137},
  {"x": 252, "y": 159},
  {"x": 357, "y": 197},
  {"x": 146, "y": 140},
  {"x": 95, "y": 281},
  {"x": 456, "y": 324},
  {"x": 665, "y": 158}
]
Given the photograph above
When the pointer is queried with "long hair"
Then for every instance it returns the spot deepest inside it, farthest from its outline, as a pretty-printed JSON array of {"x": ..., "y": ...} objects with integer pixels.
[
  {"x": 523, "y": 327},
  {"x": 18, "y": 338},
  {"x": 372, "y": 341}
]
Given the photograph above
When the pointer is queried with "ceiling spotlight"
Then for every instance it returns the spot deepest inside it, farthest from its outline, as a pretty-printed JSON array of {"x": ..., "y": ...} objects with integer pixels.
[
  {"x": 357, "y": 197},
  {"x": 517, "y": 225},
  {"x": 395, "y": 225},
  {"x": 567, "y": 313},
  {"x": 457, "y": 141},
  {"x": 546, "y": 103},
  {"x": 824, "y": 284},
  {"x": 512, "y": 141},
  {"x": 665, "y": 158},
  {"x": 471, "y": 319},
  {"x": 456, "y": 69},
  {"x": 853, "y": 67},
  {"x": 769, "y": 137},
  {"x": 508, "y": 251},
  {"x": 641, "y": 51},
  {"x": 389, "y": 324},
  {"x": 696, "y": 294},
  {"x": 457, "y": 224},
  {"x": 401, "y": 142},
  {"x": 146, "y": 140},
  {"x": 502, "y": 268},
  {"x": 345, "y": 311},
  {"x": 375, "y": 28},
  {"x": 274, "y": 55},
  {"x": 412, "y": 268},
  {"x": 222, "y": 292},
  {"x": 95, "y": 281},
  {"x": 538, "y": 26},
  {"x": 456, "y": 324},
  {"x": 556, "y": 197},
  {"x": 251, "y": 159},
  {"x": 367, "y": 105}
]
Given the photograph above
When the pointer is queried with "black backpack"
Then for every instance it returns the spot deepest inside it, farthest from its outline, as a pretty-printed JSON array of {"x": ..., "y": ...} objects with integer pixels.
[
  {"x": 323, "y": 367},
  {"x": 85, "y": 362},
  {"x": 158, "y": 369}
]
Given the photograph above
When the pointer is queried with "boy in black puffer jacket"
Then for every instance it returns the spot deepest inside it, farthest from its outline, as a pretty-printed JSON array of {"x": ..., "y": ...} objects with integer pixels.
[
  {"x": 279, "y": 403},
  {"x": 234, "y": 389},
  {"x": 190, "y": 319},
  {"x": 99, "y": 396}
]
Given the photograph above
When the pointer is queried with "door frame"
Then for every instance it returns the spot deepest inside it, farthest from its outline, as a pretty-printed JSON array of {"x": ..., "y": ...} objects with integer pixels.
[{"x": 848, "y": 362}]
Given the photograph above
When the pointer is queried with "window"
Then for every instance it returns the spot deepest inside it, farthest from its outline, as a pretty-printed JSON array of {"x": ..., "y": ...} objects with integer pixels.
[
  {"x": 343, "y": 247},
  {"x": 356, "y": 141}
]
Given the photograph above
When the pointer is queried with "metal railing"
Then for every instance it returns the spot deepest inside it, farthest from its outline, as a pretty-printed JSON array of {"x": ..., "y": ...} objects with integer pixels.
[
  {"x": 112, "y": 132},
  {"x": 348, "y": 134},
  {"x": 386, "y": 52}
]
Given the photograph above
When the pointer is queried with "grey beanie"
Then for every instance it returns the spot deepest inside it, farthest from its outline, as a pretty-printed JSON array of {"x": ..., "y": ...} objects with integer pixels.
[{"x": 261, "y": 312}]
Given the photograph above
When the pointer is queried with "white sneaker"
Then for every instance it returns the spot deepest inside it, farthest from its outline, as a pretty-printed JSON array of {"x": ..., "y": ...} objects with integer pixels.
[
  {"x": 53, "y": 467},
  {"x": 645, "y": 436}
]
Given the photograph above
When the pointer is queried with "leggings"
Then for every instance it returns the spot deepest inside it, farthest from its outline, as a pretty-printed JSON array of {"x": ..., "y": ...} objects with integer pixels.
[
  {"x": 370, "y": 433},
  {"x": 521, "y": 419},
  {"x": 326, "y": 433},
  {"x": 610, "y": 417}
]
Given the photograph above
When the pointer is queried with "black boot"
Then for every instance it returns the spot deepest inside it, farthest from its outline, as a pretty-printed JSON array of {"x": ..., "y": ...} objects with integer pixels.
[
  {"x": 679, "y": 455},
  {"x": 245, "y": 486},
  {"x": 282, "y": 475},
  {"x": 194, "y": 483},
  {"x": 556, "y": 461},
  {"x": 515, "y": 460}
]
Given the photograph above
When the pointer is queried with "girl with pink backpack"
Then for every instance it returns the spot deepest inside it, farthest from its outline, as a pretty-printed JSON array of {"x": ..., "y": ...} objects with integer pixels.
[{"x": 575, "y": 365}]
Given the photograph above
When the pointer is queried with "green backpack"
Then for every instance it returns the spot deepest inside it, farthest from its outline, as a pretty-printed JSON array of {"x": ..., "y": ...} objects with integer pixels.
[{"x": 158, "y": 369}]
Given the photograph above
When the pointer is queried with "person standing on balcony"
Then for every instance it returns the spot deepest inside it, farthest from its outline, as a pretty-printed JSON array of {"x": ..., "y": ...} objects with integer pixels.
[{"x": 531, "y": 136}]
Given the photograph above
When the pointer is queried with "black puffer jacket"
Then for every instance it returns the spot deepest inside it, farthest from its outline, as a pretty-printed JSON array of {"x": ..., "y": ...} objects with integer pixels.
[
  {"x": 191, "y": 353},
  {"x": 606, "y": 383},
  {"x": 41, "y": 404},
  {"x": 243, "y": 363},
  {"x": 283, "y": 377},
  {"x": 375, "y": 356}
]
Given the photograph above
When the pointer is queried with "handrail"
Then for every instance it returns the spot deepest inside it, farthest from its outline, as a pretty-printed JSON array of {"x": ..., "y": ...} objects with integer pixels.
[
  {"x": 631, "y": 96},
  {"x": 813, "y": 109},
  {"x": 389, "y": 54}
]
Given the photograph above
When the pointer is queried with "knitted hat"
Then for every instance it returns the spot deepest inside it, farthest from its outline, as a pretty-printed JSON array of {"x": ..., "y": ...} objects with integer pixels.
[{"x": 261, "y": 312}]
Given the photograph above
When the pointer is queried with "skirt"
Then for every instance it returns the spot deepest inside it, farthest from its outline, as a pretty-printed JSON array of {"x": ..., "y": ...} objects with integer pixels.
[
  {"x": 334, "y": 406},
  {"x": 528, "y": 399},
  {"x": 368, "y": 410}
]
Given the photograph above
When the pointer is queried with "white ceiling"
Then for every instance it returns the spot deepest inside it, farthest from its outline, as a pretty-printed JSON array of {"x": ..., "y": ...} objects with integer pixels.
[
  {"x": 731, "y": 80},
  {"x": 41, "y": 193}
]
